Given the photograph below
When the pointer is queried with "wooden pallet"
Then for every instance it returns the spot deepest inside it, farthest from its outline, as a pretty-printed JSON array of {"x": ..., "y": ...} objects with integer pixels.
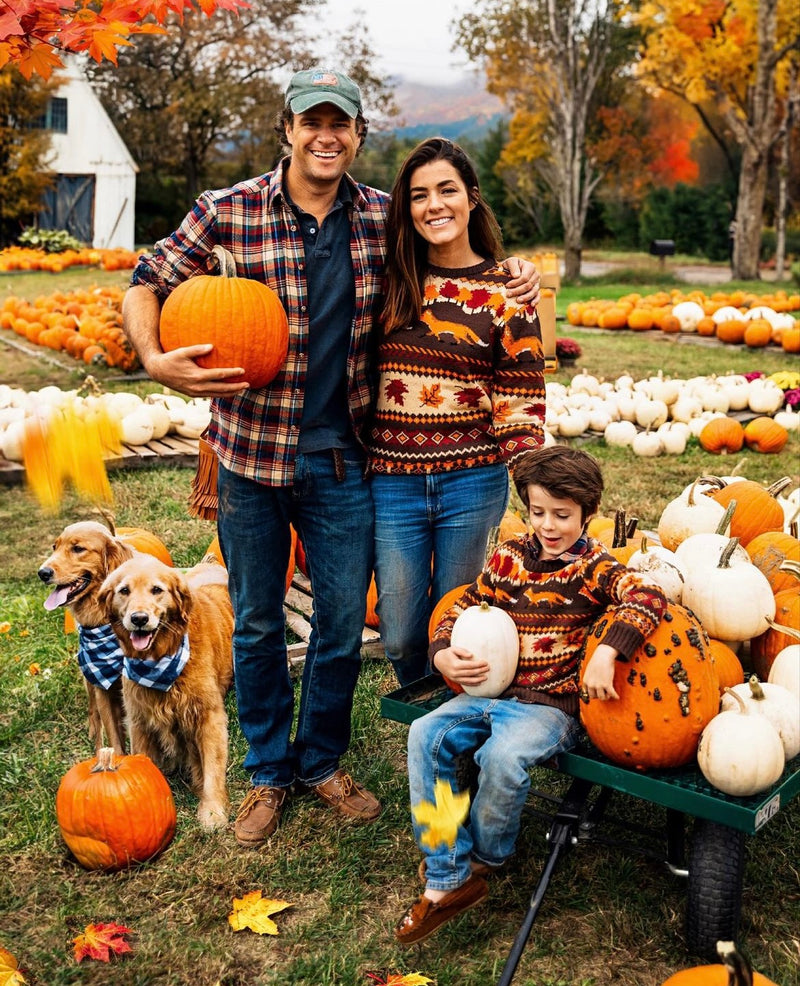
[
  {"x": 298, "y": 606},
  {"x": 171, "y": 450}
]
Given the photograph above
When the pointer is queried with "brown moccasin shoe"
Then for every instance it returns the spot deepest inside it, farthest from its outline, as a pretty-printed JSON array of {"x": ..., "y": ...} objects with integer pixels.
[
  {"x": 424, "y": 916},
  {"x": 259, "y": 815},
  {"x": 478, "y": 869},
  {"x": 352, "y": 800}
]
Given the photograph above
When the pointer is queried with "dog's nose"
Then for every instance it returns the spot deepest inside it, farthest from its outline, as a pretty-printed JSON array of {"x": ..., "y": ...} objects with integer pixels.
[
  {"x": 45, "y": 573},
  {"x": 139, "y": 619}
]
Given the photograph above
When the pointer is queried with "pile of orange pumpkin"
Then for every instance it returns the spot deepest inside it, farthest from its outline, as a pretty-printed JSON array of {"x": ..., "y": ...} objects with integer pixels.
[
  {"x": 18, "y": 258},
  {"x": 743, "y": 322},
  {"x": 85, "y": 324}
]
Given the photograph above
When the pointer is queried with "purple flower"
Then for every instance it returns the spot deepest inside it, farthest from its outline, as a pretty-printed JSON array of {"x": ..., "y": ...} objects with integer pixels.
[{"x": 753, "y": 375}]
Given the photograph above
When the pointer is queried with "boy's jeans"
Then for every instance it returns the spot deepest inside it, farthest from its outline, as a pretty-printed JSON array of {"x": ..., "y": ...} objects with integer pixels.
[{"x": 510, "y": 736}]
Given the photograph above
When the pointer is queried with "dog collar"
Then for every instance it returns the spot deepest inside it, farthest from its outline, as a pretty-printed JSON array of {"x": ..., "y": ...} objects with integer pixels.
[
  {"x": 161, "y": 674},
  {"x": 99, "y": 655}
]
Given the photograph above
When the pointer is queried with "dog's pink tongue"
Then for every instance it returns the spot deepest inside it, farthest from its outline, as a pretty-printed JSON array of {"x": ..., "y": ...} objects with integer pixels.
[
  {"x": 57, "y": 597},
  {"x": 141, "y": 641}
]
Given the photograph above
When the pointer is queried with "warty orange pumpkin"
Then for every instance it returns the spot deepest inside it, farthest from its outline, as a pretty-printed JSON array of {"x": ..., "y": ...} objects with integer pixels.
[{"x": 668, "y": 692}]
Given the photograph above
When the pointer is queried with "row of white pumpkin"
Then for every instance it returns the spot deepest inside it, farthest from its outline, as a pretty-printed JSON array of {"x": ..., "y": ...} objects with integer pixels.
[
  {"x": 140, "y": 420},
  {"x": 670, "y": 410}
]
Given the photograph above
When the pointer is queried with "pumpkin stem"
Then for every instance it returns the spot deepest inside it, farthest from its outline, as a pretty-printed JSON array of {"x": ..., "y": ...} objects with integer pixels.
[
  {"x": 108, "y": 517},
  {"x": 728, "y": 550},
  {"x": 740, "y": 972},
  {"x": 779, "y": 486},
  {"x": 742, "y": 707},
  {"x": 790, "y": 565},
  {"x": 620, "y": 532},
  {"x": 755, "y": 688},
  {"x": 105, "y": 760},
  {"x": 630, "y": 529},
  {"x": 726, "y": 518},
  {"x": 225, "y": 261},
  {"x": 717, "y": 482},
  {"x": 484, "y": 605},
  {"x": 789, "y": 631}
]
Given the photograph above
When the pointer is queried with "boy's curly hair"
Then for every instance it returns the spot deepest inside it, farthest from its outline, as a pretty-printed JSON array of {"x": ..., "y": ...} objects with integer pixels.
[{"x": 565, "y": 473}]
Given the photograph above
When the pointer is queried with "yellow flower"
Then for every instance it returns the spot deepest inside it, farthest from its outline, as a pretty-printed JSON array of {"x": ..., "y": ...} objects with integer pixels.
[
  {"x": 5, "y": 626},
  {"x": 34, "y": 669}
]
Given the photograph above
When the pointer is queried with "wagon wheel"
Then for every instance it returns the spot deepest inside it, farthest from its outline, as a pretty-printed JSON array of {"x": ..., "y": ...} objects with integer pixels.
[{"x": 716, "y": 874}]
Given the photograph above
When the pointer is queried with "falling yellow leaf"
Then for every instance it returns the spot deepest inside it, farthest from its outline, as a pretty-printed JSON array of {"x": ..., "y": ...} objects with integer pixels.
[
  {"x": 253, "y": 911},
  {"x": 9, "y": 970},
  {"x": 442, "y": 818}
]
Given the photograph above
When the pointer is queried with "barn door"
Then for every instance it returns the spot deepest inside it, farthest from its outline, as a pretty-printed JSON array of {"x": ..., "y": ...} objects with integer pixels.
[{"x": 69, "y": 205}]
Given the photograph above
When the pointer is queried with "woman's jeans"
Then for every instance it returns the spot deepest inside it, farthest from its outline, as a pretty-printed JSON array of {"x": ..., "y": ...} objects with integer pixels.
[
  {"x": 334, "y": 521},
  {"x": 508, "y": 738},
  {"x": 430, "y": 536}
]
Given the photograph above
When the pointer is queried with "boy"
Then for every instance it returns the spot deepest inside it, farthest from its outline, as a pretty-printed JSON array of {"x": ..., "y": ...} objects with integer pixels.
[{"x": 554, "y": 582}]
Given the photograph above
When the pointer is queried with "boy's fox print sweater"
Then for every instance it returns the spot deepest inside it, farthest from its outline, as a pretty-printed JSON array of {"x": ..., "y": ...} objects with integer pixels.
[
  {"x": 554, "y": 605},
  {"x": 464, "y": 385}
]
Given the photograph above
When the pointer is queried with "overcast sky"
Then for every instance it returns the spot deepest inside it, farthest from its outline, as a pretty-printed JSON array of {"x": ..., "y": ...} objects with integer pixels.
[{"x": 411, "y": 38}]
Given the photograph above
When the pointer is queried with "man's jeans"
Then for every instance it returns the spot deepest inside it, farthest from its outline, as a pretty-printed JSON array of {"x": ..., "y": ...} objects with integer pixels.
[
  {"x": 334, "y": 519},
  {"x": 510, "y": 737},
  {"x": 445, "y": 517}
]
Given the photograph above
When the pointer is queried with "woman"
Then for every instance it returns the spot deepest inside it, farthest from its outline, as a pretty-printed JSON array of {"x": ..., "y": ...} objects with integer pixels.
[{"x": 461, "y": 395}]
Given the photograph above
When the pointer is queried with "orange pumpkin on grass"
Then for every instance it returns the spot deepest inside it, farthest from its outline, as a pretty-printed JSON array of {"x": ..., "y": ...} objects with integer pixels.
[{"x": 114, "y": 811}]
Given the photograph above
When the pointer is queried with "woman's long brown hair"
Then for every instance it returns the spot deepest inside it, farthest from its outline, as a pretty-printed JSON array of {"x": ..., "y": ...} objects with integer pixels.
[{"x": 407, "y": 251}]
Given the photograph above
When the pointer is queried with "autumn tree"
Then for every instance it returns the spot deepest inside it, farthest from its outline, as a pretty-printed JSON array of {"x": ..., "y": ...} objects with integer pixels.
[
  {"x": 736, "y": 60},
  {"x": 197, "y": 105},
  {"x": 549, "y": 60},
  {"x": 24, "y": 176},
  {"x": 33, "y": 33}
]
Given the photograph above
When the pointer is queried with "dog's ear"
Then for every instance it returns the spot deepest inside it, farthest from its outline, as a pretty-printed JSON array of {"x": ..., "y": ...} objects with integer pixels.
[
  {"x": 182, "y": 595},
  {"x": 105, "y": 593},
  {"x": 116, "y": 552}
]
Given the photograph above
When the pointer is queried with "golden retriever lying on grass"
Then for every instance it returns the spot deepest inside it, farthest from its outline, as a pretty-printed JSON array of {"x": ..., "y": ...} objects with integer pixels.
[
  {"x": 176, "y": 633},
  {"x": 83, "y": 555}
]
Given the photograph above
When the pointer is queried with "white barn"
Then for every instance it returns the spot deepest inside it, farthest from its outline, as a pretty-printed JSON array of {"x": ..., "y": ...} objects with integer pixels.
[{"x": 94, "y": 197}]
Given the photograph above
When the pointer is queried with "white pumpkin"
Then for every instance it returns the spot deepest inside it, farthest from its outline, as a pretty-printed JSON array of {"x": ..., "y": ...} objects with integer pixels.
[
  {"x": 688, "y": 314},
  {"x": 690, "y": 513},
  {"x": 136, "y": 427},
  {"x": 775, "y": 703},
  {"x": 733, "y": 602},
  {"x": 490, "y": 635},
  {"x": 685, "y": 408},
  {"x": 765, "y": 396},
  {"x": 584, "y": 381},
  {"x": 740, "y": 753},
  {"x": 726, "y": 313},
  {"x": 785, "y": 670},
  {"x": 651, "y": 413},
  {"x": 674, "y": 435},
  {"x": 620, "y": 433},
  {"x": 647, "y": 443},
  {"x": 661, "y": 566},
  {"x": 788, "y": 418}
]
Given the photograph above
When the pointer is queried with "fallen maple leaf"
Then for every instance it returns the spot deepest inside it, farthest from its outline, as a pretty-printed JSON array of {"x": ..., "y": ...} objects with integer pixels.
[
  {"x": 398, "y": 979},
  {"x": 444, "y": 817},
  {"x": 101, "y": 941},
  {"x": 9, "y": 970},
  {"x": 253, "y": 911}
]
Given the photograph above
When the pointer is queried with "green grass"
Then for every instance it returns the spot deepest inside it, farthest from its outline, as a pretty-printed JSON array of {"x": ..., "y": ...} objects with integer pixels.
[{"x": 609, "y": 915}]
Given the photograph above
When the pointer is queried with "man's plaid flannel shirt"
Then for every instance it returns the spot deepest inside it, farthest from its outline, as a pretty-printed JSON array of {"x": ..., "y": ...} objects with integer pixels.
[{"x": 255, "y": 433}]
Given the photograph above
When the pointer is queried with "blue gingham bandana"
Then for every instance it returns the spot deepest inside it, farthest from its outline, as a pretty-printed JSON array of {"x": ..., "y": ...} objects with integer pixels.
[
  {"x": 161, "y": 674},
  {"x": 99, "y": 655}
]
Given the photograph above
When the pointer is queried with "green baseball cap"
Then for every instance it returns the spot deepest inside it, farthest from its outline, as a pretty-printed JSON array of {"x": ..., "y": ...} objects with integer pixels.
[{"x": 318, "y": 85}]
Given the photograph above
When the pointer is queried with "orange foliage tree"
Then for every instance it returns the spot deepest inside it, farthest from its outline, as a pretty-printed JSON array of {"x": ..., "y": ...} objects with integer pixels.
[
  {"x": 33, "y": 32},
  {"x": 738, "y": 59}
]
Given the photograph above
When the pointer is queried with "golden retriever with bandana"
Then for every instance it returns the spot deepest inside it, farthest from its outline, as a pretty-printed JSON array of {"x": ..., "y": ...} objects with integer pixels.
[{"x": 176, "y": 631}]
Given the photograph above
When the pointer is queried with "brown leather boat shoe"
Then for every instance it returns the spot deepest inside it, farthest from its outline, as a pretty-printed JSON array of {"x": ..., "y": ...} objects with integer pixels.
[
  {"x": 259, "y": 815},
  {"x": 346, "y": 797},
  {"x": 424, "y": 916}
]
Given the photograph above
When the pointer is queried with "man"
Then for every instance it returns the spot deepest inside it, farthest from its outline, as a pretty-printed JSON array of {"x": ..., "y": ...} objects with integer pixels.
[{"x": 290, "y": 452}]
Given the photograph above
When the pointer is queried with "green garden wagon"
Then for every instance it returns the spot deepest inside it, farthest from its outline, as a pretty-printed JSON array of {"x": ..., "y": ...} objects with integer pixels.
[{"x": 713, "y": 862}]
